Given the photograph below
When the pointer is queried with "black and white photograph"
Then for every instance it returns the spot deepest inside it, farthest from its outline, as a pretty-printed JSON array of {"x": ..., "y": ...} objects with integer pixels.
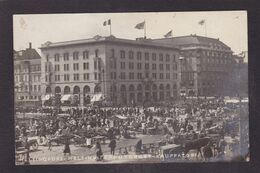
[{"x": 139, "y": 87}]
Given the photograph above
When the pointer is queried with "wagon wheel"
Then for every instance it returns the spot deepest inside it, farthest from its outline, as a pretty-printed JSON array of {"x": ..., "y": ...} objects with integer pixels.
[{"x": 35, "y": 145}]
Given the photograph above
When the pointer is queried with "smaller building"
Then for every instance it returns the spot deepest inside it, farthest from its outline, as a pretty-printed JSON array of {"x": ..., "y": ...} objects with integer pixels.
[{"x": 27, "y": 77}]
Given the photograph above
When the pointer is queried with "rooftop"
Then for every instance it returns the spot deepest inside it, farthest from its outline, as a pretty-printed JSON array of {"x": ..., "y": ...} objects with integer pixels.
[
  {"x": 97, "y": 38},
  {"x": 27, "y": 54},
  {"x": 192, "y": 40}
]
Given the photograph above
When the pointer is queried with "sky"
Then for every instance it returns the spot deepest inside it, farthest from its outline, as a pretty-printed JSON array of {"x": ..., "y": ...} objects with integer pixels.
[{"x": 229, "y": 26}]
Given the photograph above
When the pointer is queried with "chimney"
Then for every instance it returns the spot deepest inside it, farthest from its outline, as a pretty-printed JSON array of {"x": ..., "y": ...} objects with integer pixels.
[{"x": 30, "y": 45}]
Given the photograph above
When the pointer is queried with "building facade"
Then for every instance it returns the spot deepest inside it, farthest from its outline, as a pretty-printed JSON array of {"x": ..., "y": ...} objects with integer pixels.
[
  {"x": 124, "y": 71},
  {"x": 27, "y": 77},
  {"x": 207, "y": 65}
]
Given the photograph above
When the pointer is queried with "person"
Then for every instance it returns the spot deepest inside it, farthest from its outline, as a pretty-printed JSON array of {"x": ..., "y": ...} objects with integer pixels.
[
  {"x": 99, "y": 153},
  {"x": 27, "y": 148},
  {"x": 207, "y": 151},
  {"x": 139, "y": 146},
  {"x": 67, "y": 147},
  {"x": 112, "y": 146}
]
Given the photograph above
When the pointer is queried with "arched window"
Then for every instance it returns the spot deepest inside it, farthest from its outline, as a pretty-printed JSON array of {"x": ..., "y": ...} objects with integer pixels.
[
  {"x": 122, "y": 88},
  {"x": 147, "y": 87},
  {"x": 168, "y": 87},
  {"x": 154, "y": 87},
  {"x": 86, "y": 89},
  {"x": 97, "y": 89},
  {"x": 76, "y": 90},
  {"x": 139, "y": 87},
  {"x": 131, "y": 88},
  {"x": 57, "y": 90},
  {"x": 161, "y": 87},
  {"x": 66, "y": 90},
  {"x": 48, "y": 90}
]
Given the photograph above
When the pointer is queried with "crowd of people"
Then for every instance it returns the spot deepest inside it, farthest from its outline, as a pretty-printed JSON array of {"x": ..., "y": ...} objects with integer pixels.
[{"x": 186, "y": 120}]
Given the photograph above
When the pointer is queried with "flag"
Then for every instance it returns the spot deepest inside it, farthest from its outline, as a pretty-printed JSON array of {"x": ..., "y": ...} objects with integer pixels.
[
  {"x": 202, "y": 22},
  {"x": 140, "y": 25},
  {"x": 169, "y": 34},
  {"x": 108, "y": 22},
  {"x": 242, "y": 54}
]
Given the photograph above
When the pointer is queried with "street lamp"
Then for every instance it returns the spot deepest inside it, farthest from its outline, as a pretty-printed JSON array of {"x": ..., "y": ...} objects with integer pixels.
[{"x": 181, "y": 58}]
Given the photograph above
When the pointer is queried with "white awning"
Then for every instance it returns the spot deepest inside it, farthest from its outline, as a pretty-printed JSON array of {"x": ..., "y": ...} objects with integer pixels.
[
  {"x": 121, "y": 117},
  {"x": 66, "y": 97},
  {"x": 97, "y": 97},
  {"x": 46, "y": 97},
  {"x": 232, "y": 101}
]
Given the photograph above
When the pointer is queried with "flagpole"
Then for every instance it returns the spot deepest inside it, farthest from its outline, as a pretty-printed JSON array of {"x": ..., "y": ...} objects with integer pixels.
[
  {"x": 110, "y": 28},
  {"x": 144, "y": 29},
  {"x": 205, "y": 28}
]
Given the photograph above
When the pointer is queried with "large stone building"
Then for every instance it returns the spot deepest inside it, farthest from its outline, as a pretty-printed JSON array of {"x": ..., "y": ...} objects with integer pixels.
[
  {"x": 123, "y": 71},
  {"x": 207, "y": 65},
  {"x": 27, "y": 76}
]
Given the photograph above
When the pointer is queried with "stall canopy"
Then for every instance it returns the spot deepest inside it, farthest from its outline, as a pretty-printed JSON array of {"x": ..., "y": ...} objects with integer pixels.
[
  {"x": 46, "y": 97},
  {"x": 97, "y": 97},
  {"x": 121, "y": 117},
  {"x": 66, "y": 97}
]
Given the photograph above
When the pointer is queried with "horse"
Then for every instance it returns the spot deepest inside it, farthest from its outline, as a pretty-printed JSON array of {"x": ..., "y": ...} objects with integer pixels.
[{"x": 196, "y": 144}]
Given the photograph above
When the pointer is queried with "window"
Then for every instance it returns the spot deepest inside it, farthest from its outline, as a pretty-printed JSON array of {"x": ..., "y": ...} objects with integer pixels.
[
  {"x": 154, "y": 66},
  {"x": 160, "y": 57},
  {"x": 161, "y": 75},
  {"x": 47, "y": 57},
  {"x": 154, "y": 76},
  {"x": 122, "y": 65},
  {"x": 95, "y": 75},
  {"x": 131, "y": 75},
  {"x": 122, "y": 75},
  {"x": 154, "y": 56},
  {"x": 122, "y": 54},
  {"x": 139, "y": 66},
  {"x": 95, "y": 64},
  {"x": 139, "y": 55},
  {"x": 35, "y": 87},
  {"x": 167, "y": 58},
  {"x": 57, "y": 67},
  {"x": 146, "y": 66},
  {"x": 66, "y": 56},
  {"x": 167, "y": 67},
  {"x": 57, "y": 77},
  {"x": 111, "y": 75},
  {"x": 76, "y": 77},
  {"x": 112, "y": 53},
  {"x": 99, "y": 76},
  {"x": 99, "y": 64},
  {"x": 66, "y": 67},
  {"x": 57, "y": 57},
  {"x": 85, "y": 65},
  {"x": 75, "y": 55},
  {"x": 66, "y": 77},
  {"x": 96, "y": 52},
  {"x": 131, "y": 65},
  {"x": 131, "y": 54},
  {"x": 75, "y": 66},
  {"x": 174, "y": 66},
  {"x": 85, "y": 55},
  {"x": 167, "y": 75},
  {"x": 146, "y": 56},
  {"x": 115, "y": 76},
  {"x": 161, "y": 66},
  {"x": 39, "y": 87},
  {"x": 139, "y": 75},
  {"x": 86, "y": 76},
  {"x": 147, "y": 75}
]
